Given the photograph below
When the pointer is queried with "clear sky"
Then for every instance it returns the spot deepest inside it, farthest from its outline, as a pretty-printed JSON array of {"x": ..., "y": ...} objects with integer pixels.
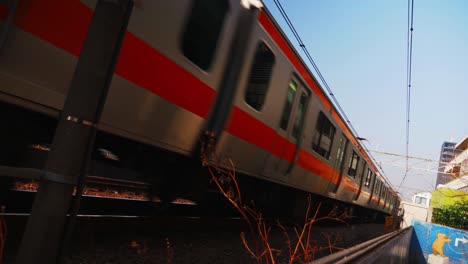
[{"x": 360, "y": 48}]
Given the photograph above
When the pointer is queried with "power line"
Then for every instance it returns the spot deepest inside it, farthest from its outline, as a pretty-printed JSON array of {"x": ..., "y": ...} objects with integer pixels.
[
  {"x": 325, "y": 84},
  {"x": 409, "y": 62},
  {"x": 407, "y": 157},
  {"x": 417, "y": 189},
  {"x": 441, "y": 164},
  {"x": 312, "y": 62}
]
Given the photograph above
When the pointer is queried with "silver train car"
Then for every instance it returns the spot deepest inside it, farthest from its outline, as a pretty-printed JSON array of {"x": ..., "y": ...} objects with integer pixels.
[{"x": 280, "y": 128}]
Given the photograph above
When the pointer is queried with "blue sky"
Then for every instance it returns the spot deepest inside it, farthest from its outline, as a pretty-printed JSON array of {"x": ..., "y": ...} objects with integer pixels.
[{"x": 360, "y": 48}]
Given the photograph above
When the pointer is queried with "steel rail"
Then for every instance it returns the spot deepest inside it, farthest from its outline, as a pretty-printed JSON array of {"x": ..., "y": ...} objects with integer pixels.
[{"x": 353, "y": 253}]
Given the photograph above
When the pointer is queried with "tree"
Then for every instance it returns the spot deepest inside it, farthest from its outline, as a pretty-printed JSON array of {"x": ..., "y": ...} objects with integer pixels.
[{"x": 455, "y": 215}]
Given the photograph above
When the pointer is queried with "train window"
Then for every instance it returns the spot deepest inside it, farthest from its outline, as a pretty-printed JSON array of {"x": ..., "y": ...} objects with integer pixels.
[
  {"x": 259, "y": 78},
  {"x": 323, "y": 137},
  {"x": 353, "y": 164},
  {"x": 203, "y": 29},
  {"x": 292, "y": 88},
  {"x": 368, "y": 178},
  {"x": 299, "y": 115}
]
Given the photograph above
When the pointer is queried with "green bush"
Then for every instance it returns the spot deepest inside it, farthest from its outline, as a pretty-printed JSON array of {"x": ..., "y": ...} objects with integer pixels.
[{"x": 455, "y": 216}]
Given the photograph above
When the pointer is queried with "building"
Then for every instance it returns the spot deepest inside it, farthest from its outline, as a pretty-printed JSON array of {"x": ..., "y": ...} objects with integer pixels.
[
  {"x": 447, "y": 153},
  {"x": 458, "y": 166},
  {"x": 414, "y": 211},
  {"x": 423, "y": 198},
  {"x": 456, "y": 189}
]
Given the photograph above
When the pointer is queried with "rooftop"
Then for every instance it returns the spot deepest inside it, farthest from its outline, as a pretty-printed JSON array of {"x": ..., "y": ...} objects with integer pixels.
[
  {"x": 462, "y": 145},
  {"x": 455, "y": 184}
]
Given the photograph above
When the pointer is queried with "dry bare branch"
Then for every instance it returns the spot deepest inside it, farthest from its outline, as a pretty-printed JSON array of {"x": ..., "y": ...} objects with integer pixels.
[{"x": 223, "y": 175}]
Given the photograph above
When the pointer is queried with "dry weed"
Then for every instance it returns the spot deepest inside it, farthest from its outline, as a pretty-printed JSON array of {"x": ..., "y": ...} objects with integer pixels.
[{"x": 223, "y": 175}]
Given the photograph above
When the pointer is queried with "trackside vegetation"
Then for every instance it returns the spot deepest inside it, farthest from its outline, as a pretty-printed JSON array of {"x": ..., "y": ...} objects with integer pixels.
[{"x": 455, "y": 215}]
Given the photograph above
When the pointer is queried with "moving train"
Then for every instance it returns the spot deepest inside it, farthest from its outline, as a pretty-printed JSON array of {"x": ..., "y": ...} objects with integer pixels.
[{"x": 186, "y": 67}]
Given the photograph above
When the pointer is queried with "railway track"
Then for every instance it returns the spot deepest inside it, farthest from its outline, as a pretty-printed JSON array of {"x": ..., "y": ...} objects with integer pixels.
[
  {"x": 177, "y": 239},
  {"x": 122, "y": 214}
]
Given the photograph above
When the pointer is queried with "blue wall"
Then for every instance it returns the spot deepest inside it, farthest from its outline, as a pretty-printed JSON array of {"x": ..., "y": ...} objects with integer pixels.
[{"x": 453, "y": 243}]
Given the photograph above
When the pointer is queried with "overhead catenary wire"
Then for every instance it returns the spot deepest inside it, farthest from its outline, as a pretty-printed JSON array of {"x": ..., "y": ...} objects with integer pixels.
[
  {"x": 409, "y": 63},
  {"x": 325, "y": 84}
]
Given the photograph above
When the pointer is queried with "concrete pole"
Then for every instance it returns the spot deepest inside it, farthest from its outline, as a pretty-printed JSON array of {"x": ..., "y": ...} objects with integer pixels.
[{"x": 75, "y": 132}]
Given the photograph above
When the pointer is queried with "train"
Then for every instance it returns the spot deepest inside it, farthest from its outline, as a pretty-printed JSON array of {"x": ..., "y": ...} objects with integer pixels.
[{"x": 186, "y": 67}]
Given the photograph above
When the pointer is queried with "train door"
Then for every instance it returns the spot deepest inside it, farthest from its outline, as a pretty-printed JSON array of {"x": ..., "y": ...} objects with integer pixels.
[
  {"x": 377, "y": 192},
  {"x": 385, "y": 197},
  {"x": 360, "y": 179},
  {"x": 339, "y": 164},
  {"x": 371, "y": 187},
  {"x": 285, "y": 148},
  {"x": 366, "y": 190}
]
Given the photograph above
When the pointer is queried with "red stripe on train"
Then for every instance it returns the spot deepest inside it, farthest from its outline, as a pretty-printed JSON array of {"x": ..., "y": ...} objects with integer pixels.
[
  {"x": 139, "y": 63},
  {"x": 62, "y": 23},
  {"x": 65, "y": 23},
  {"x": 316, "y": 166},
  {"x": 250, "y": 129},
  {"x": 350, "y": 184}
]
